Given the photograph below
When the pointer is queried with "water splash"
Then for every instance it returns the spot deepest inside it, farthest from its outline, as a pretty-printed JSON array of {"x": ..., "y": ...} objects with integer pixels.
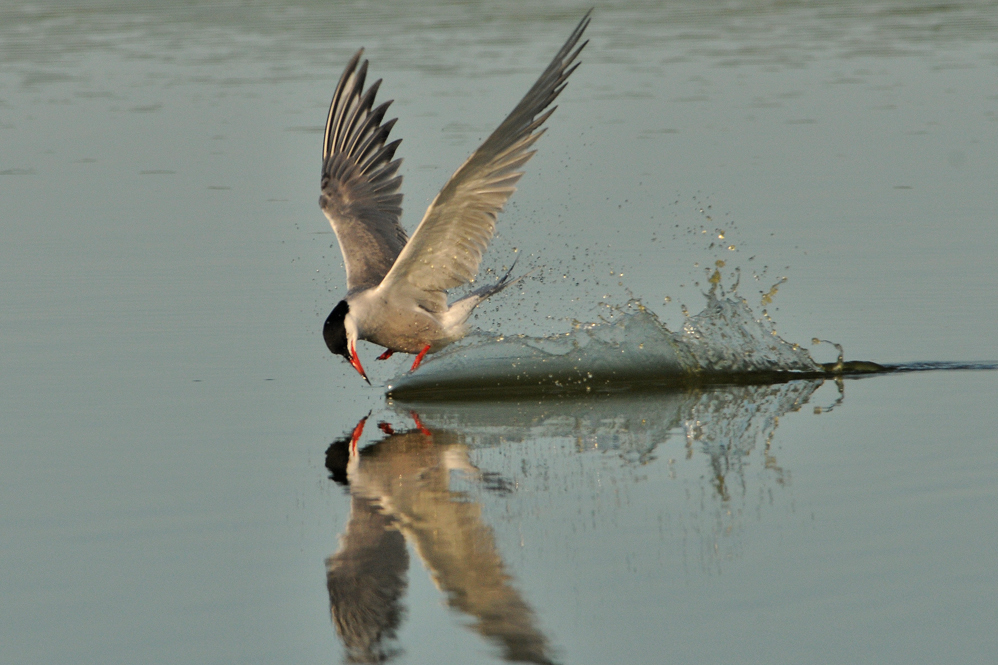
[
  {"x": 726, "y": 337},
  {"x": 724, "y": 343}
]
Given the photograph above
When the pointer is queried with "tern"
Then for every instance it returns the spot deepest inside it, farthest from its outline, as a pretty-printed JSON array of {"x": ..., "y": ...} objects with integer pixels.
[{"x": 396, "y": 285}]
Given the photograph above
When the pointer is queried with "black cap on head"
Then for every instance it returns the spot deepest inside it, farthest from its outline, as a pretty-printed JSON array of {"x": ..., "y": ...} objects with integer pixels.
[{"x": 334, "y": 332}]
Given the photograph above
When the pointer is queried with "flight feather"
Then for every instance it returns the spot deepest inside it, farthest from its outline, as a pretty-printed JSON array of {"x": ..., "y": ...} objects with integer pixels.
[
  {"x": 360, "y": 182},
  {"x": 446, "y": 249}
]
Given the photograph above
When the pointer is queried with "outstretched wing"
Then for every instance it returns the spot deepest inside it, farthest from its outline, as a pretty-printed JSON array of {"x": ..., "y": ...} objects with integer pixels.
[
  {"x": 360, "y": 188},
  {"x": 446, "y": 249}
]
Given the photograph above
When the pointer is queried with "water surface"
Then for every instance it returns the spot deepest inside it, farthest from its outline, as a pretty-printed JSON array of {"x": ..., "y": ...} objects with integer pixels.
[{"x": 168, "y": 402}]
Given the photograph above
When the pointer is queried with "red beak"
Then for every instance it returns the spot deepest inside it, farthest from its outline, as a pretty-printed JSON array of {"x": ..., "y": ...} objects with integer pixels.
[{"x": 355, "y": 362}]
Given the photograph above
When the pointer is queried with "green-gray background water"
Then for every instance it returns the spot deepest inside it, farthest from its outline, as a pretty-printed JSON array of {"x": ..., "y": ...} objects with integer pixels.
[{"x": 166, "y": 400}]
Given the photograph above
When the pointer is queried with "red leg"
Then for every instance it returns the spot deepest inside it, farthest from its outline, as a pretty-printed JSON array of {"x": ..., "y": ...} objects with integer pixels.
[
  {"x": 386, "y": 355},
  {"x": 419, "y": 424},
  {"x": 419, "y": 358}
]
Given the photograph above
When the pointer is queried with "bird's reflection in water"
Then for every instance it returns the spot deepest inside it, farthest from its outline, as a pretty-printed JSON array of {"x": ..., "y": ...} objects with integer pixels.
[{"x": 400, "y": 490}]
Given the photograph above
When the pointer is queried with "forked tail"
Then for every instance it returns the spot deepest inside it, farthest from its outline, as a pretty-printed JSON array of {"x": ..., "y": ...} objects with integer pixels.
[
  {"x": 485, "y": 292},
  {"x": 455, "y": 320},
  {"x": 461, "y": 309}
]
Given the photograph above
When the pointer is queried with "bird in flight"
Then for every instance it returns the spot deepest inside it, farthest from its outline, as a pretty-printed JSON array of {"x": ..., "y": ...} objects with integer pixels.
[{"x": 396, "y": 285}]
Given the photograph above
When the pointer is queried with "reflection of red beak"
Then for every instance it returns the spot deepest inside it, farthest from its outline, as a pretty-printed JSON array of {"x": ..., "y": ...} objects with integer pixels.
[
  {"x": 358, "y": 431},
  {"x": 355, "y": 362}
]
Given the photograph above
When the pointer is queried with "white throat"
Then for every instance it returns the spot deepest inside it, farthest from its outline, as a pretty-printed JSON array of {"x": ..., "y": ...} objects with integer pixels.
[{"x": 351, "y": 327}]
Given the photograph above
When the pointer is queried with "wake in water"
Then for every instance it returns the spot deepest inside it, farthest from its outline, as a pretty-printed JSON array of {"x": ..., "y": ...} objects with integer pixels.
[
  {"x": 631, "y": 349},
  {"x": 725, "y": 343}
]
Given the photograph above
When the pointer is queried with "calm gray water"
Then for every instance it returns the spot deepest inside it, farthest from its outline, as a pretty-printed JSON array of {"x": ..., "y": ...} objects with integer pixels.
[{"x": 167, "y": 402}]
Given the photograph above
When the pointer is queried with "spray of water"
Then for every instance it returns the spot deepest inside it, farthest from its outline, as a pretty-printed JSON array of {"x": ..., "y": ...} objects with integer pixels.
[{"x": 627, "y": 348}]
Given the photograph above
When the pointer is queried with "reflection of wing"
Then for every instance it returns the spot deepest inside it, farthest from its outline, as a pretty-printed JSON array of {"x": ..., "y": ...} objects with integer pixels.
[
  {"x": 366, "y": 579},
  {"x": 408, "y": 475},
  {"x": 460, "y": 552},
  {"x": 446, "y": 248},
  {"x": 360, "y": 191}
]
